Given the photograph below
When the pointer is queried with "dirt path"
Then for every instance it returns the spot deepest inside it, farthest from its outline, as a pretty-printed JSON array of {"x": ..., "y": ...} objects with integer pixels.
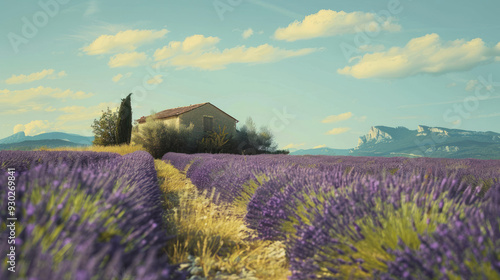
[{"x": 212, "y": 240}]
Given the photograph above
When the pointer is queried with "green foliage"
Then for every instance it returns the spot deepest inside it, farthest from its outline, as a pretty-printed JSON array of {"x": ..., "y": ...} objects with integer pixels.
[
  {"x": 405, "y": 223},
  {"x": 249, "y": 188},
  {"x": 280, "y": 152},
  {"x": 158, "y": 138},
  {"x": 215, "y": 234},
  {"x": 124, "y": 122},
  {"x": 215, "y": 142},
  {"x": 393, "y": 170},
  {"x": 73, "y": 201},
  {"x": 250, "y": 141},
  {"x": 104, "y": 128},
  {"x": 484, "y": 183}
]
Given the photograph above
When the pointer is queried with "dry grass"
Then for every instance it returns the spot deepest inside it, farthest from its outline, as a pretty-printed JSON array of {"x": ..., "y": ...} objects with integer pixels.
[
  {"x": 120, "y": 149},
  {"x": 214, "y": 234}
]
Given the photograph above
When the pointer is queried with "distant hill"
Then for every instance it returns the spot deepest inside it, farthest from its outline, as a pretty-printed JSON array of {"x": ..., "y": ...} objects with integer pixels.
[
  {"x": 20, "y": 141},
  {"x": 425, "y": 141},
  {"x": 29, "y": 145},
  {"x": 321, "y": 151},
  {"x": 75, "y": 138},
  {"x": 428, "y": 142}
]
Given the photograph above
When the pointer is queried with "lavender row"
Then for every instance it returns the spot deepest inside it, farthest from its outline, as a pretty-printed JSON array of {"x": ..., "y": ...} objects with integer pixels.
[
  {"x": 336, "y": 213},
  {"x": 339, "y": 236},
  {"x": 22, "y": 160},
  {"x": 230, "y": 172},
  {"x": 86, "y": 220}
]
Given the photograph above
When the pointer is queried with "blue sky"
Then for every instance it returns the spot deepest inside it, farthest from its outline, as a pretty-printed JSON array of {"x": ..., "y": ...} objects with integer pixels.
[{"x": 318, "y": 73}]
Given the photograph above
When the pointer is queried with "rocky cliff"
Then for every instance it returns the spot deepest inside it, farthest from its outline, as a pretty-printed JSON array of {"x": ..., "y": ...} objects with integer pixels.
[{"x": 428, "y": 141}]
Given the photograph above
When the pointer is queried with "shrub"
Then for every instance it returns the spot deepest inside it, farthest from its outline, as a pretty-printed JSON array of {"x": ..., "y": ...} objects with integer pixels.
[
  {"x": 104, "y": 129},
  {"x": 215, "y": 142},
  {"x": 249, "y": 141},
  {"x": 159, "y": 138}
]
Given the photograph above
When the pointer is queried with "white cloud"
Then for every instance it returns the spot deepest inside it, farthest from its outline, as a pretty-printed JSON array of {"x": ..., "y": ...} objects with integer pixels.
[
  {"x": 190, "y": 44},
  {"x": 326, "y": 23},
  {"x": 427, "y": 54},
  {"x": 18, "y": 128},
  {"x": 198, "y": 42},
  {"x": 73, "y": 118},
  {"x": 204, "y": 55},
  {"x": 117, "y": 78},
  {"x": 128, "y": 40},
  {"x": 218, "y": 60},
  {"x": 46, "y": 73},
  {"x": 81, "y": 113},
  {"x": 33, "y": 127},
  {"x": 156, "y": 80},
  {"x": 319, "y": 146},
  {"x": 59, "y": 75},
  {"x": 361, "y": 119},
  {"x": 20, "y": 96},
  {"x": 338, "y": 130},
  {"x": 247, "y": 33},
  {"x": 337, "y": 118},
  {"x": 132, "y": 59},
  {"x": 14, "y": 109},
  {"x": 199, "y": 51},
  {"x": 293, "y": 146}
]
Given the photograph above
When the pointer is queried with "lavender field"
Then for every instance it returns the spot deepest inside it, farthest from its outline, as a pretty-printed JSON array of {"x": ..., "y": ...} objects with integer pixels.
[
  {"x": 89, "y": 215},
  {"x": 365, "y": 218},
  {"x": 84, "y": 215}
]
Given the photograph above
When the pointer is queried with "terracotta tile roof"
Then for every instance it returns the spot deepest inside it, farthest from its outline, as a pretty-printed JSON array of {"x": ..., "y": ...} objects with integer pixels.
[{"x": 174, "y": 112}]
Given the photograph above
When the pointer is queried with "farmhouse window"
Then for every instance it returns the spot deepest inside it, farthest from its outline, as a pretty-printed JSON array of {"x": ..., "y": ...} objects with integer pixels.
[{"x": 208, "y": 123}]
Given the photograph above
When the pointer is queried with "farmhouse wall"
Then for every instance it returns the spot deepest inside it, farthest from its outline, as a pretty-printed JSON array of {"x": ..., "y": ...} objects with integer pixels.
[
  {"x": 208, "y": 110},
  {"x": 175, "y": 121}
]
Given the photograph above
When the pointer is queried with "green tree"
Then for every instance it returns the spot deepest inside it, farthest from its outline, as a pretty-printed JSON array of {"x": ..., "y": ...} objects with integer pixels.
[
  {"x": 104, "y": 128},
  {"x": 124, "y": 122},
  {"x": 249, "y": 140},
  {"x": 215, "y": 142}
]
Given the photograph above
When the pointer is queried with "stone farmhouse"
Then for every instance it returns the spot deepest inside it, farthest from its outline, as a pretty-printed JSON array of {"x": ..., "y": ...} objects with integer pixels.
[{"x": 205, "y": 117}]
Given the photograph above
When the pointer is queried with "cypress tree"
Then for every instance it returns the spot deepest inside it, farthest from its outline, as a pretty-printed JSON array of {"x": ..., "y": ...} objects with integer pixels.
[{"x": 124, "y": 123}]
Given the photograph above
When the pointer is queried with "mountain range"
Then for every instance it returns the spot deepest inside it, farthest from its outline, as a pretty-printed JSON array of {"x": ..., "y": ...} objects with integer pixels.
[
  {"x": 19, "y": 141},
  {"x": 320, "y": 151},
  {"x": 384, "y": 141},
  {"x": 425, "y": 141}
]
